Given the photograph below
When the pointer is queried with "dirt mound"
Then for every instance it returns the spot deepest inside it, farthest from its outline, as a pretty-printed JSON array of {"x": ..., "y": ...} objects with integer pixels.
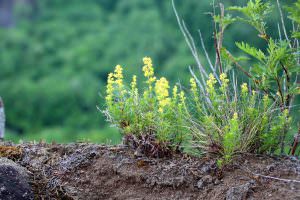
[{"x": 89, "y": 171}]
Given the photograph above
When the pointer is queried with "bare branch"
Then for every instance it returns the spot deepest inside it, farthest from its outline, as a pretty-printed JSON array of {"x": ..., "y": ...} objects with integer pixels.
[
  {"x": 272, "y": 177},
  {"x": 207, "y": 57},
  {"x": 283, "y": 23},
  {"x": 279, "y": 32}
]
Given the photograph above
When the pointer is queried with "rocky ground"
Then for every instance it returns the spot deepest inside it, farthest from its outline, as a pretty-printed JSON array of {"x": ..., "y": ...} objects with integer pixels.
[{"x": 89, "y": 171}]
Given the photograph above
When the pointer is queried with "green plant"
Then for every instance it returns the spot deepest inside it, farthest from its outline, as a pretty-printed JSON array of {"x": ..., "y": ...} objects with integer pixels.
[
  {"x": 235, "y": 120},
  {"x": 257, "y": 117},
  {"x": 276, "y": 69},
  {"x": 151, "y": 119}
]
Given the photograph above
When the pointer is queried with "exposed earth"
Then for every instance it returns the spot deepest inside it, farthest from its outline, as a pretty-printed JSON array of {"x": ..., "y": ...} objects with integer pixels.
[{"x": 90, "y": 171}]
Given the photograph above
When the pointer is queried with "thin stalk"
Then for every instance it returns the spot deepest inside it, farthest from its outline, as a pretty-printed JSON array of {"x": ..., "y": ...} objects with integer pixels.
[{"x": 283, "y": 23}]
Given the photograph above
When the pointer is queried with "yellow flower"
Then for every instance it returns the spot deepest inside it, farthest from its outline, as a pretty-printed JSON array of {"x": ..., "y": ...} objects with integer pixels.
[
  {"x": 134, "y": 90},
  {"x": 165, "y": 102},
  {"x": 175, "y": 89},
  {"x": 235, "y": 116},
  {"x": 211, "y": 81},
  {"x": 148, "y": 67},
  {"x": 109, "y": 88},
  {"x": 162, "y": 92},
  {"x": 181, "y": 104},
  {"x": 182, "y": 97},
  {"x": 194, "y": 90},
  {"x": 149, "y": 74},
  {"x": 119, "y": 76},
  {"x": 133, "y": 82},
  {"x": 147, "y": 61},
  {"x": 161, "y": 110},
  {"x": 193, "y": 83},
  {"x": 224, "y": 80},
  {"x": 118, "y": 72},
  {"x": 152, "y": 79},
  {"x": 244, "y": 88},
  {"x": 161, "y": 87}
]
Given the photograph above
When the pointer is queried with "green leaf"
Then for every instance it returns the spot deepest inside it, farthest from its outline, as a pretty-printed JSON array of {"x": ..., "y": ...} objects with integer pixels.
[
  {"x": 256, "y": 53},
  {"x": 255, "y": 14}
]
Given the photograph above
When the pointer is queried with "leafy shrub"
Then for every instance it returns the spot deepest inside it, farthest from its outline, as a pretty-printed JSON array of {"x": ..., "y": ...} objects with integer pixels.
[
  {"x": 231, "y": 120},
  {"x": 258, "y": 119},
  {"x": 275, "y": 70},
  {"x": 151, "y": 119}
]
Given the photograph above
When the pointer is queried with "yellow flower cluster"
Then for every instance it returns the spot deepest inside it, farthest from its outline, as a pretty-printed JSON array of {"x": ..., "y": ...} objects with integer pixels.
[
  {"x": 162, "y": 93},
  {"x": 174, "y": 92},
  {"x": 134, "y": 90},
  {"x": 193, "y": 84},
  {"x": 119, "y": 75},
  {"x": 224, "y": 80},
  {"x": 182, "y": 97},
  {"x": 133, "y": 83},
  {"x": 109, "y": 88},
  {"x": 244, "y": 88},
  {"x": 114, "y": 80},
  {"x": 211, "y": 81},
  {"x": 181, "y": 104},
  {"x": 148, "y": 67},
  {"x": 195, "y": 93},
  {"x": 235, "y": 116},
  {"x": 148, "y": 73},
  {"x": 211, "y": 84}
]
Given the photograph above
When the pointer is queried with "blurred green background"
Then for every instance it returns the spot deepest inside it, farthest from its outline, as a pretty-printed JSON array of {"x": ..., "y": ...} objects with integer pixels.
[{"x": 55, "y": 56}]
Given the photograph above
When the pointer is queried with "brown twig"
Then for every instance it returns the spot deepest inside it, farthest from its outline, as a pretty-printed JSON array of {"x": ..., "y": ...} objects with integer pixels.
[
  {"x": 270, "y": 177},
  {"x": 280, "y": 93},
  {"x": 238, "y": 65},
  {"x": 295, "y": 143},
  {"x": 218, "y": 39},
  {"x": 288, "y": 79}
]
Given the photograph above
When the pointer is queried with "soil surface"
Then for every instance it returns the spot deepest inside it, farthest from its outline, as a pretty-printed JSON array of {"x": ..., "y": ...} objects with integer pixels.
[{"x": 90, "y": 171}]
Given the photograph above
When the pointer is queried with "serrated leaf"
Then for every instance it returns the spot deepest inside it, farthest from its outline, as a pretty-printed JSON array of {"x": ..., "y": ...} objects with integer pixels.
[{"x": 256, "y": 53}]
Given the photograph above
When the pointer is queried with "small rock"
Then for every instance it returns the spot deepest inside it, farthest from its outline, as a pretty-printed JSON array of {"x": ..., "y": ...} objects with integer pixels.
[
  {"x": 271, "y": 168},
  {"x": 205, "y": 169},
  {"x": 200, "y": 184},
  {"x": 238, "y": 193},
  {"x": 204, "y": 181},
  {"x": 217, "y": 182},
  {"x": 14, "y": 181},
  {"x": 293, "y": 158},
  {"x": 207, "y": 179}
]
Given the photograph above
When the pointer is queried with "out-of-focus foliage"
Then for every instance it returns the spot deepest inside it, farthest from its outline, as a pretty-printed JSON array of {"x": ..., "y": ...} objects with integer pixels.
[
  {"x": 55, "y": 58},
  {"x": 294, "y": 14}
]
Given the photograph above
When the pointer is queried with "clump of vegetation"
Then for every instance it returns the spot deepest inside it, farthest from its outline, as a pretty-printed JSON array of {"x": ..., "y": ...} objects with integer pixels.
[
  {"x": 151, "y": 119},
  {"x": 256, "y": 119},
  {"x": 232, "y": 120},
  {"x": 220, "y": 117}
]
